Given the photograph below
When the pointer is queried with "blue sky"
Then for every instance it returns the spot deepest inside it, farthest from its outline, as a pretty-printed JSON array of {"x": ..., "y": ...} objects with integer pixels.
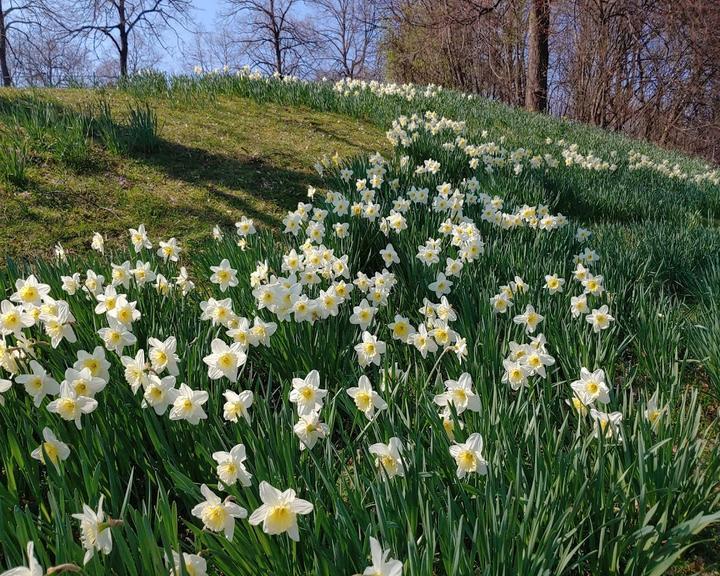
[
  {"x": 205, "y": 11},
  {"x": 203, "y": 16}
]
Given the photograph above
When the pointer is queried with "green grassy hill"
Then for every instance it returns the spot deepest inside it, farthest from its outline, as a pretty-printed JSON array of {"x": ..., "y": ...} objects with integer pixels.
[{"x": 210, "y": 164}]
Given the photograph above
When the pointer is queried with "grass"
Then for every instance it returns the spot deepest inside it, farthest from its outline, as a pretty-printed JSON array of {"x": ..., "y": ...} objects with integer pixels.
[
  {"x": 210, "y": 164},
  {"x": 557, "y": 499}
]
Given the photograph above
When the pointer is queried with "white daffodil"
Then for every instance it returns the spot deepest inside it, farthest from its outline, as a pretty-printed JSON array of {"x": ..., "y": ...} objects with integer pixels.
[
  {"x": 388, "y": 457},
  {"x": 279, "y": 510},
  {"x": 553, "y": 284},
  {"x": 13, "y": 319},
  {"x": 401, "y": 328},
  {"x": 382, "y": 564},
  {"x": 579, "y": 305},
  {"x": 599, "y": 318},
  {"x": 306, "y": 393},
  {"x": 607, "y": 425},
  {"x": 136, "y": 370},
  {"x": 231, "y": 468},
  {"x": 124, "y": 312},
  {"x": 193, "y": 564},
  {"x": 59, "y": 325},
  {"x": 363, "y": 314},
  {"x": 530, "y": 319},
  {"x": 537, "y": 360},
  {"x": 139, "y": 238},
  {"x": 441, "y": 286},
  {"x": 159, "y": 393},
  {"x": 95, "y": 532},
  {"x": 38, "y": 384},
  {"x": 654, "y": 413},
  {"x": 116, "y": 336},
  {"x": 188, "y": 403},
  {"x": 591, "y": 387},
  {"x": 423, "y": 341},
  {"x": 459, "y": 394},
  {"x": 237, "y": 405},
  {"x": 370, "y": 350},
  {"x": 169, "y": 250},
  {"x": 365, "y": 398},
  {"x": 162, "y": 355},
  {"x": 29, "y": 291},
  {"x": 51, "y": 447},
  {"x": 98, "y": 242},
  {"x": 309, "y": 430},
  {"x": 224, "y": 360},
  {"x": 500, "y": 303},
  {"x": 96, "y": 362},
  {"x": 83, "y": 382},
  {"x": 245, "y": 227},
  {"x": 224, "y": 275},
  {"x": 70, "y": 406},
  {"x": 218, "y": 515},
  {"x": 516, "y": 374},
  {"x": 468, "y": 456},
  {"x": 33, "y": 568}
]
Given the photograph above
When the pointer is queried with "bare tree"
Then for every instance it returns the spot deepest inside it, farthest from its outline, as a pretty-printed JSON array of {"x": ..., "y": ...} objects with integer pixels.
[
  {"x": 44, "y": 58},
  {"x": 215, "y": 49},
  {"x": 350, "y": 31},
  {"x": 276, "y": 38},
  {"x": 17, "y": 18},
  {"x": 119, "y": 21}
]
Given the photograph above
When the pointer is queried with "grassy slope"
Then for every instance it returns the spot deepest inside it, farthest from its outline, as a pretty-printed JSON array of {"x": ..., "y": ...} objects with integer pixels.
[{"x": 215, "y": 163}]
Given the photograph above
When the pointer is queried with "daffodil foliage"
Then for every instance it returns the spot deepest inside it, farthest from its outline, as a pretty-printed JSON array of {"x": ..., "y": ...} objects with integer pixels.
[{"x": 427, "y": 369}]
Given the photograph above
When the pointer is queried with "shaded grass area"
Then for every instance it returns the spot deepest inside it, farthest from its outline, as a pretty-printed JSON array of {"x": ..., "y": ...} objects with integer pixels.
[{"x": 211, "y": 164}]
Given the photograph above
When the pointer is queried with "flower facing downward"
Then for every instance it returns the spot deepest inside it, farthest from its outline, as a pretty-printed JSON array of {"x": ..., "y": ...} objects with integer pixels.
[
  {"x": 387, "y": 457},
  {"x": 607, "y": 425},
  {"x": 654, "y": 413},
  {"x": 309, "y": 430},
  {"x": 382, "y": 565},
  {"x": 218, "y": 515},
  {"x": 237, "y": 405},
  {"x": 94, "y": 531},
  {"x": 468, "y": 456},
  {"x": 231, "y": 468},
  {"x": 279, "y": 510},
  {"x": 53, "y": 448}
]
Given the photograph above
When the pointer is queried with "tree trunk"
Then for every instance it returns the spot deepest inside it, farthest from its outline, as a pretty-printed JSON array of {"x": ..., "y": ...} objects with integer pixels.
[
  {"x": 124, "y": 48},
  {"x": 4, "y": 68},
  {"x": 536, "y": 87}
]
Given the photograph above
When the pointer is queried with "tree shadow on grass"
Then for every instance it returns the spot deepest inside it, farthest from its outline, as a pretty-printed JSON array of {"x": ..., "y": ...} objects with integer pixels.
[{"x": 231, "y": 179}]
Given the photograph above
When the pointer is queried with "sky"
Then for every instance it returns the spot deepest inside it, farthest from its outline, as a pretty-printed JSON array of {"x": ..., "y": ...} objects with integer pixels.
[{"x": 203, "y": 16}]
